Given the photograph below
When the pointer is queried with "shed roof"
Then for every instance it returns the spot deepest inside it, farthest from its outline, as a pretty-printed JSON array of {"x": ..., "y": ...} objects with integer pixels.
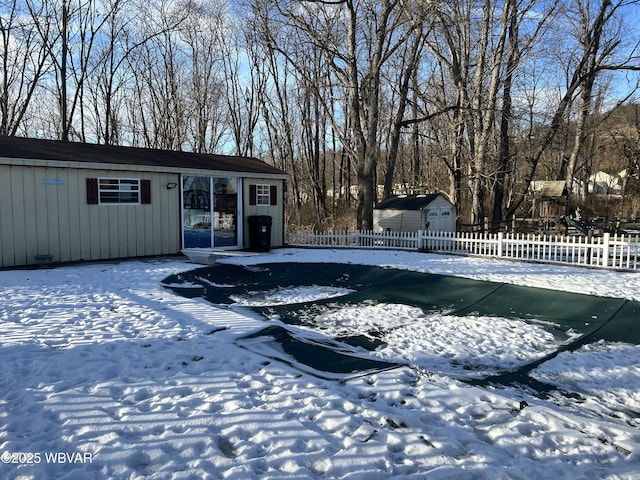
[
  {"x": 407, "y": 202},
  {"x": 549, "y": 188},
  {"x": 38, "y": 149}
]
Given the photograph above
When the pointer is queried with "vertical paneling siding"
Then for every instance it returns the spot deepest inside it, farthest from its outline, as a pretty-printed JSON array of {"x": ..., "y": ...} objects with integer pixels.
[
  {"x": 44, "y": 211},
  {"x": 67, "y": 199},
  {"x": 274, "y": 211},
  {"x": 119, "y": 231},
  {"x": 170, "y": 226},
  {"x": 404, "y": 220},
  {"x": 7, "y": 224}
]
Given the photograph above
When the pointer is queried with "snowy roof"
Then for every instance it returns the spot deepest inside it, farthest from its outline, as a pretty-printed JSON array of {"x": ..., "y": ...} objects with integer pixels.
[{"x": 408, "y": 202}]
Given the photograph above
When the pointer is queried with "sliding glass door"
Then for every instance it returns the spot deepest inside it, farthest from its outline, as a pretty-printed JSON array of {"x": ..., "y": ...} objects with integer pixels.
[
  {"x": 209, "y": 211},
  {"x": 225, "y": 212}
]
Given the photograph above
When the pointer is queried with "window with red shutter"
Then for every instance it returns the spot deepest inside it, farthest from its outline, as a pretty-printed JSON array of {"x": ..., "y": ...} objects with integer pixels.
[
  {"x": 118, "y": 191},
  {"x": 263, "y": 194}
]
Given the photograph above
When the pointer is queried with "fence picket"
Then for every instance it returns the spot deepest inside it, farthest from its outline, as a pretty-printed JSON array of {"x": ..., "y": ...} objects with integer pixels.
[{"x": 617, "y": 252}]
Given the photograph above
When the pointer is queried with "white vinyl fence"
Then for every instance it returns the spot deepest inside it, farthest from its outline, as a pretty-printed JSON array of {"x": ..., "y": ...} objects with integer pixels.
[{"x": 617, "y": 252}]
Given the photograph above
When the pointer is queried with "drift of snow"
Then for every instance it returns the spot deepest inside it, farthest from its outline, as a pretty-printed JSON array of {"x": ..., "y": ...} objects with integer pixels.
[
  {"x": 104, "y": 374},
  {"x": 447, "y": 344},
  {"x": 286, "y": 296}
]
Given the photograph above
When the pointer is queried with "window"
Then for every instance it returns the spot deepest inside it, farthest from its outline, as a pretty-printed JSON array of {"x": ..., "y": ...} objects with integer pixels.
[
  {"x": 118, "y": 191},
  {"x": 262, "y": 194}
]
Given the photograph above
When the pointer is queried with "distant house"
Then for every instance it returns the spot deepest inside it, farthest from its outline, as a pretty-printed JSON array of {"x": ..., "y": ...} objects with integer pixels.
[
  {"x": 604, "y": 183},
  {"x": 63, "y": 201},
  {"x": 409, "y": 213}
]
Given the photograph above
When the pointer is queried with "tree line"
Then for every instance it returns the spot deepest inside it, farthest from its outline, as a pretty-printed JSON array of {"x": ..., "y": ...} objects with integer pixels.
[{"x": 355, "y": 99}]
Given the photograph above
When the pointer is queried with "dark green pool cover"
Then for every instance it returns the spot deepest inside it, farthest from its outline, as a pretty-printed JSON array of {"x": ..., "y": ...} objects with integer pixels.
[{"x": 595, "y": 318}]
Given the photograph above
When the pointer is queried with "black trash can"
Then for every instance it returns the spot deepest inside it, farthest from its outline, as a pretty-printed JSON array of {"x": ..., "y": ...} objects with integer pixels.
[{"x": 260, "y": 233}]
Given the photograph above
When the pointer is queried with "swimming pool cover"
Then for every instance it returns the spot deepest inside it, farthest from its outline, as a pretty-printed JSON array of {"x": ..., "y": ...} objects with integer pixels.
[{"x": 595, "y": 318}]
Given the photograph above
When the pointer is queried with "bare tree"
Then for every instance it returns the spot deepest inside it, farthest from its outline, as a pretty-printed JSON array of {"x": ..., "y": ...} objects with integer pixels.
[
  {"x": 404, "y": 77},
  {"x": 517, "y": 48},
  {"x": 484, "y": 100},
  {"x": 206, "y": 116},
  {"x": 584, "y": 67},
  {"x": 110, "y": 80},
  {"x": 70, "y": 43},
  {"x": 625, "y": 136},
  {"x": 363, "y": 81},
  {"x": 358, "y": 40},
  {"x": 597, "y": 39},
  {"x": 450, "y": 45},
  {"x": 23, "y": 59},
  {"x": 161, "y": 69},
  {"x": 241, "y": 60}
]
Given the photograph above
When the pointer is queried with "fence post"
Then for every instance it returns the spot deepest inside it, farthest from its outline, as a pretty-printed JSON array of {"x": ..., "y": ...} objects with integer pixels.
[
  {"x": 605, "y": 249},
  {"x": 500, "y": 240}
]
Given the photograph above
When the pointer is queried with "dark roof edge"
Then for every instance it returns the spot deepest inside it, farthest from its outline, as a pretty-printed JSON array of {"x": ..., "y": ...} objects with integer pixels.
[
  {"x": 55, "y": 150},
  {"x": 409, "y": 202}
]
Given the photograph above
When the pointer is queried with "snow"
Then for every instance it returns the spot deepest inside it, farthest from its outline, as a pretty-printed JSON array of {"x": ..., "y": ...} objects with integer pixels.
[
  {"x": 105, "y": 373},
  {"x": 287, "y": 296}
]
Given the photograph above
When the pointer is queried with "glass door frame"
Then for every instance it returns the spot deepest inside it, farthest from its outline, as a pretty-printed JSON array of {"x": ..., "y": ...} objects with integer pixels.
[{"x": 239, "y": 211}]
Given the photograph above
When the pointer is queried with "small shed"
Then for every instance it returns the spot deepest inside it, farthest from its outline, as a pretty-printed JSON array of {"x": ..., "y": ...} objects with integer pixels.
[
  {"x": 550, "y": 199},
  {"x": 67, "y": 201},
  {"x": 410, "y": 213}
]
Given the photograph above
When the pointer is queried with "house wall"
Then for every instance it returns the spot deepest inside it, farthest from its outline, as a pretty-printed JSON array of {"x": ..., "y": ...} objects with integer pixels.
[
  {"x": 398, "y": 220},
  {"x": 44, "y": 211},
  {"x": 275, "y": 211}
]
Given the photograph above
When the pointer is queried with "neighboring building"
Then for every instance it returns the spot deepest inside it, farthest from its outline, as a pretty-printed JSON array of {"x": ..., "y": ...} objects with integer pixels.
[
  {"x": 410, "y": 213},
  {"x": 63, "y": 201},
  {"x": 604, "y": 183},
  {"x": 550, "y": 199}
]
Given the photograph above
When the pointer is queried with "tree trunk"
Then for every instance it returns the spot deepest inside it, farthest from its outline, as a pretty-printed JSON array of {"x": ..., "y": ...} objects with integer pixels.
[{"x": 504, "y": 152}]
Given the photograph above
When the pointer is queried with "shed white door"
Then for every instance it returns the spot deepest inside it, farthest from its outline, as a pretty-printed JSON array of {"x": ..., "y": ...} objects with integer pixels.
[{"x": 440, "y": 219}]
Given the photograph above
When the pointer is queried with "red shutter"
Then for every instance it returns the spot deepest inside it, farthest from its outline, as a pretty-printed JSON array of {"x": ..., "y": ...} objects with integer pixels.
[
  {"x": 273, "y": 195},
  {"x": 253, "y": 195},
  {"x": 145, "y": 192},
  {"x": 92, "y": 191}
]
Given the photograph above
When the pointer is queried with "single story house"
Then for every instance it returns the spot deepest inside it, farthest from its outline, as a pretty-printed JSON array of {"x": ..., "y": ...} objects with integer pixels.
[
  {"x": 603, "y": 183},
  {"x": 65, "y": 201},
  {"x": 410, "y": 213}
]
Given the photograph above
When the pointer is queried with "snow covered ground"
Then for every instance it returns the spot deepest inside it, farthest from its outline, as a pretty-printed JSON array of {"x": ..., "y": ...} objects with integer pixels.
[{"x": 104, "y": 374}]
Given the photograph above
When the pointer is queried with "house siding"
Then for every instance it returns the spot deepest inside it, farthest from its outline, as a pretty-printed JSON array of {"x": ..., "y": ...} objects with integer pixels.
[
  {"x": 397, "y": 220},
  {"x": 44, "y": 211},
  {"x": 274, "y": 211}
]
